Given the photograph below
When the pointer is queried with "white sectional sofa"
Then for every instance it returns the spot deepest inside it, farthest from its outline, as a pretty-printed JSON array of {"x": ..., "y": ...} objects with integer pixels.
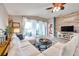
[{"x": 25, "y": 48}]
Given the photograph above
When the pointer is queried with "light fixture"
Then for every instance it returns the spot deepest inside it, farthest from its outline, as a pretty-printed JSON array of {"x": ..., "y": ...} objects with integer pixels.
[{"x": 56, "y": 7}]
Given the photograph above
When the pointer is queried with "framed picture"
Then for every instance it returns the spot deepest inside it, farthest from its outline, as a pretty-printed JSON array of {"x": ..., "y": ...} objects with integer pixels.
[{"x": 16, "y": 24}]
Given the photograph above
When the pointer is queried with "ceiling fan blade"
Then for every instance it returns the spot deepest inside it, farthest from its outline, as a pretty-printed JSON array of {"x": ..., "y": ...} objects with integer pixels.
[
  {"x": 62, "y": 8},
  {"x": 49, "y": 8}
]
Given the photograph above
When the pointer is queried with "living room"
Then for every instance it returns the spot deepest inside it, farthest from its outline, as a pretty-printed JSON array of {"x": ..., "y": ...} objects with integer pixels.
[{"x": 39, "y": 29}]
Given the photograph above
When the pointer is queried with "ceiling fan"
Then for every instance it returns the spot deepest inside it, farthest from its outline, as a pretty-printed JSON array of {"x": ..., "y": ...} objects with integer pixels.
[{"x": 56, "y": 7}]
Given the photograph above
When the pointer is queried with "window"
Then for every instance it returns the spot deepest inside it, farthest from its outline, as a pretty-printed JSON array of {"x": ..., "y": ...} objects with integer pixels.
[
  {"x": 34, "y": 28},
  {"x": 28, "y": 29},
  {"x": 16, "y": 27}
]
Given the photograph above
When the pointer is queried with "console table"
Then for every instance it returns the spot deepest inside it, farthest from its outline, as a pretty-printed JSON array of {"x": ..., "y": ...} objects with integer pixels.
[{"x": 4, "y": 48}]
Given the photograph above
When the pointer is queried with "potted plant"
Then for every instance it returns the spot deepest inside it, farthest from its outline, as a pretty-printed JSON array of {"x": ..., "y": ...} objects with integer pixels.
[{"x": 9, "y": 31}]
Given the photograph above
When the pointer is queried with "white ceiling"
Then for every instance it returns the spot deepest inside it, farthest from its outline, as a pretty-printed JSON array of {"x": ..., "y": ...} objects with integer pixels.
[{"x": 38, "y": 9}]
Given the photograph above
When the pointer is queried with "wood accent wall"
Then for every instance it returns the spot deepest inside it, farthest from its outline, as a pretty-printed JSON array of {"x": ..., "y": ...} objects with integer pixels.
[{"x": 68, "y": 20}]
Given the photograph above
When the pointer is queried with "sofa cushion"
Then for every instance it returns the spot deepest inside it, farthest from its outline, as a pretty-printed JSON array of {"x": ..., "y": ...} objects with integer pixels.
[
  {"x": 23, "y": 51},
  {"x": 30, "y": 51},
  {"x": 20, "y": 36},
  {"x": 25, "y": 43},
  {"x": 15, "y": 41}
]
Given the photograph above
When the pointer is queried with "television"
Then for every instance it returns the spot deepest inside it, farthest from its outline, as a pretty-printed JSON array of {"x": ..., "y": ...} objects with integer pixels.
[{"x": 67, "y": 28}]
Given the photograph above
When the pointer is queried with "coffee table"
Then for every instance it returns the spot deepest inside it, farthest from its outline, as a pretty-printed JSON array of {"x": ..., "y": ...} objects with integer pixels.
[{"x": 43, "y": 46}]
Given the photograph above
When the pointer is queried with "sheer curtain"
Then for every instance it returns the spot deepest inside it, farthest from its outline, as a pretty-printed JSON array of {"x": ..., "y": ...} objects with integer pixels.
[{"x": 33, "y": 28}]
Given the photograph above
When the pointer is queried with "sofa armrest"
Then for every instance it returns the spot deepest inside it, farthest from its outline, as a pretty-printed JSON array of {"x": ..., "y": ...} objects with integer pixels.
[{"x": 54, "y": 50}]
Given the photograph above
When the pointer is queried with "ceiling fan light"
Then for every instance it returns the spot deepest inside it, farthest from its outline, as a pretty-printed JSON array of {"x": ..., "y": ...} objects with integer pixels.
[
  {"x": 54, "y": 9},
  {"x": 58, "y": 8}
]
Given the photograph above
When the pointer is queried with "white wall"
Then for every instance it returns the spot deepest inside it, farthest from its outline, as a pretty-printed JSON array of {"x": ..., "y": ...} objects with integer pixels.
[
  {"x": 3, "y": 17},
  {"x": 68, "y": 20}
]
